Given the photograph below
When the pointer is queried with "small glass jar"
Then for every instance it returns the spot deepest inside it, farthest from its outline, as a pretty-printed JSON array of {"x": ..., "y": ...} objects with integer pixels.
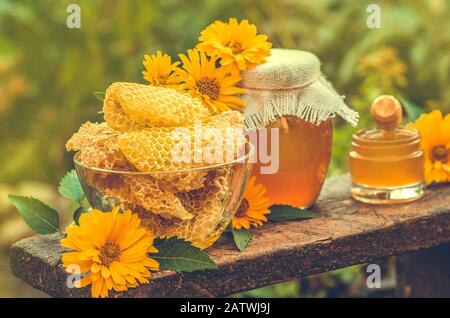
[
  {"x": 386, "y": 162},
  {"x": 304, "y": 156}
]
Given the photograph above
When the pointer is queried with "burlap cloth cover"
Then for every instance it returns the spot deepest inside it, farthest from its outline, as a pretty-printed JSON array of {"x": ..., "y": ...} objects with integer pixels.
[{"x": 290, "y": 83}]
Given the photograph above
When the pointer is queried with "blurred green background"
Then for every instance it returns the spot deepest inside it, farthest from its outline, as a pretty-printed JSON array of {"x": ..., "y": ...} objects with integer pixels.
[{"x": 48, "y": 73}]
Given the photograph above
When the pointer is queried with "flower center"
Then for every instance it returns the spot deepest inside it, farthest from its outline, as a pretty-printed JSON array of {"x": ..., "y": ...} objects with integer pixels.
[
  {"x": 109, "y": 253},
  {"x": 162, "y": 79},
  {"x": 243, "y": 208},
  {"x": 208, "y": 86},
  {"x": 439, "y": 153},
  {"x": 236, "y": 46}
]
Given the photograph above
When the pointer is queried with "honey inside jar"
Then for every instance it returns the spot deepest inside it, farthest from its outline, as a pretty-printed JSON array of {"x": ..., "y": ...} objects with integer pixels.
[
  {"x": 386, "y": 162},
  {"x": 304, "y": 156}
]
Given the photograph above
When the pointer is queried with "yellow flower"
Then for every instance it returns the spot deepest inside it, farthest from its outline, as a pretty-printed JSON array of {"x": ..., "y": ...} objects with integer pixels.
[
  {"x": 253, "y": 206},
  {"x": 435, "y": 143},
  {"x": 159, "y": 70},
  {"x": 110, "y": 251},
  {"x": 214, "y": 86},
  {"x": 236, "y": 44}
]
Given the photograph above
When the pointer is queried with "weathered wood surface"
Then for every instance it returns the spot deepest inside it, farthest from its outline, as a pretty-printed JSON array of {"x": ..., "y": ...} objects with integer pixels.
[
  {"x": 425, "y": 273},
  {"x": 344, "y": 233}
]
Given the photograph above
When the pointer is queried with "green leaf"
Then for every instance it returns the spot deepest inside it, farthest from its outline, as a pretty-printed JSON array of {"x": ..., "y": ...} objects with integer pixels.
[
  {"x": 41, "y": 218},
  {"x": 279, "y": 213},
  {"x": 77, "y": 213},
  {"x": 70, "y": 187},
  {"x": 241, "y": 238},
  {"x": 179, "y": 255},
  {"x": 412, "y": 110},
  {"x": 99, "y": 96}
]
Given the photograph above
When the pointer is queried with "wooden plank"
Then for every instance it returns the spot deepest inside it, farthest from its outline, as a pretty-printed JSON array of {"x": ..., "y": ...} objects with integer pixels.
[
  {"x": 344, "y": 233},
  {"x": 425, "y": 273}
]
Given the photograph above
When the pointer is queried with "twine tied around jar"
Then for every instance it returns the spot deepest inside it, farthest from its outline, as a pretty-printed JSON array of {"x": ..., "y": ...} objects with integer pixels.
[{"x": 290, "y": 83}]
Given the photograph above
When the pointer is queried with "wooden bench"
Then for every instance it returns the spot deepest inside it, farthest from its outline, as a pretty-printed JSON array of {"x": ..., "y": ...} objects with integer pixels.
[{"x": 344, "y": 233}]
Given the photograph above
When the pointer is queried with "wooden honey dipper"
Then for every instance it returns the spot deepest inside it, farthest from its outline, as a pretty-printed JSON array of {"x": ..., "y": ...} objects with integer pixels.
[{"x": 387, "y": 112}]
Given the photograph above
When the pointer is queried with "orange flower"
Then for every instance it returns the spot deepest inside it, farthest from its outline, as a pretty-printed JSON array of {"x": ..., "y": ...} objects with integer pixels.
[
  {"x": 109, "y": 251},
  {"x": 159, "y": 70},
  {"x": 215, "y": 87},
  {"x": 435, "y": 142},
  {"x": 253, "y": 207},
  {"x": 236, "y": 44}
]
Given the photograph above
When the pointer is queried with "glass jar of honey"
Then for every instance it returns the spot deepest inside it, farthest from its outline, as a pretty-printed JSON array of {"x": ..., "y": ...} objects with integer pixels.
[
  {"x": 304, "y": 156},
  {"x": 289, "y": 105},
  {"x": 386, "y": 162}
]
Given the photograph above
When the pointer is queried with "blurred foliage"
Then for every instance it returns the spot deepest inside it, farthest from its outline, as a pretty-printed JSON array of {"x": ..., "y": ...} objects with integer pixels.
[{"x": 48, "y": 72}]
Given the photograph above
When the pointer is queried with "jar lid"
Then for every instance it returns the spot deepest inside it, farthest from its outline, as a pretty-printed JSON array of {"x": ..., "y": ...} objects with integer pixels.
[
  {"x": 284, "y": 69},
  {"x": 290, "y": 83}
]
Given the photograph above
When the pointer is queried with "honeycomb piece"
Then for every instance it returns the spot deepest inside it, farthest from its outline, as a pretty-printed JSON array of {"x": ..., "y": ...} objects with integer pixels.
[
  {"x": 103, "y": 181},
  {"x": 228, "y": 119},
  {"x": 150, "y": 149},
  {"x": 143, "y": 191},
  {"x": 131, "y": 106},
  {"x": 143, "y": 150},
  {"x": 230, "y": 125},
  {"x": 173, "y": 149},
  {"x": 206, "y": 206},
  {"x": 98, "y": 147},
  {"x": 103, "y": 157},
  {"x": 90, "y": 134},
  {"x": 181, "y": 182},
  {"x": 163, "y": 227},
  {"x": 146, "y": 192},
  {"x": 115, "y": 116}
]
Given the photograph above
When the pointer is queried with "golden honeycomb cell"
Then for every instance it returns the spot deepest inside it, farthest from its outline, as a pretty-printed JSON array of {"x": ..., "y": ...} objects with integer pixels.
[
  {"x": 116, "y": 117},
  {"x": 143, "y": 191},
  {"x": 182, "y": 181},
  {"x": 98, "y": 147},
  {"x": 206, "y": 205},
  {"x": 90, "y": 134},
  {"x": 150, "y": 149},
  {"x": 132, "y": 106},
  {"x": 177, "y": 148}
]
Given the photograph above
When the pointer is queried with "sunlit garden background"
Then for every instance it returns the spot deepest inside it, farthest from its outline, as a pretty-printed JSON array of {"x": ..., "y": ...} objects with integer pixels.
[{"x": 48, "y": 74}]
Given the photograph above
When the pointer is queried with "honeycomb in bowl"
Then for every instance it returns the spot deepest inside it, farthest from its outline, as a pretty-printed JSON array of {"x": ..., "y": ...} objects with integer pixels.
[
  {"x": 132, "y": 106},
  {"x": 206, "y": 206},
  {"x": 135, "y": 148},
  {"x": 98, "y": 147},
  {"x": 163, "y": 149},
  {"x": 178, "y": 148},
  {"x": 146, "y": 192}
]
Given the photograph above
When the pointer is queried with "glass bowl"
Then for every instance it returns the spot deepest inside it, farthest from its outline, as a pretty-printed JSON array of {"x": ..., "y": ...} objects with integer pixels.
[{"x": 195, "y": 204}]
